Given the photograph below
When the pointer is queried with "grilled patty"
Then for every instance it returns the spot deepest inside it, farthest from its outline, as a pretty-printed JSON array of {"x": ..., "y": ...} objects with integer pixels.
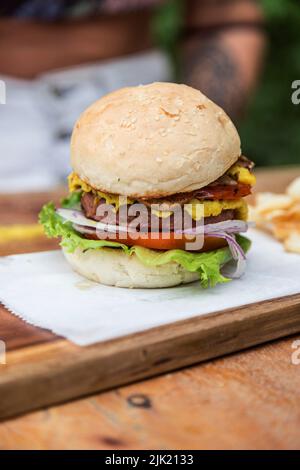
[{"x": 91, "y": 203}]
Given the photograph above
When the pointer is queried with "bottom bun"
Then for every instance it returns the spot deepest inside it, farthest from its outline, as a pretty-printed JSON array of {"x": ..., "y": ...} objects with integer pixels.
[{"x": 113, "y": 267}]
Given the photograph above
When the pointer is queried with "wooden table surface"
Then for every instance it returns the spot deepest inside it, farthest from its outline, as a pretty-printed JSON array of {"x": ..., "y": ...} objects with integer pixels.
[{"x": 248, "y": 400}]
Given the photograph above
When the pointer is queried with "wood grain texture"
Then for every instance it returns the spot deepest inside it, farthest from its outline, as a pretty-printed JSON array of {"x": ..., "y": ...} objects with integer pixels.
[
  {"x": 247, "y": 400},
  {"x": 275, "y": 180},
  {"x": 18, "y": 334},
  {"x": 55, "y": 372},
  {"x": 24, "y": 209}
]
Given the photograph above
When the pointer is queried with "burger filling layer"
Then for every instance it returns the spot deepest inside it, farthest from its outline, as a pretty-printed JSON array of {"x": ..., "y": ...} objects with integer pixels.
[
  {"x": 104, "y": 221},
  {"x": 220, "y": 201}
]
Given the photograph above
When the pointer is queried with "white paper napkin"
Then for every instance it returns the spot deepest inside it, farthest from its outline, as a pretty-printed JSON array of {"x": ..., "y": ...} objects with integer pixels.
[{"x": 42, "y": 289}]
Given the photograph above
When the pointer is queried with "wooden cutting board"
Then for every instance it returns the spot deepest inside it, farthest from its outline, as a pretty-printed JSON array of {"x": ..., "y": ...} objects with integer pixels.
[{"x": 44, "y": 369}]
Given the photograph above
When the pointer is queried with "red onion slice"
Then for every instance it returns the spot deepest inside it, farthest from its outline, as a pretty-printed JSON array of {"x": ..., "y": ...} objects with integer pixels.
[
  {"x": 237, "y": 254},
  {"x": 78, "y": 218},
  {"x": 83, "y": 229},
  {"x": 225, "y": 230},
  {"x": 229, "y": 226}
]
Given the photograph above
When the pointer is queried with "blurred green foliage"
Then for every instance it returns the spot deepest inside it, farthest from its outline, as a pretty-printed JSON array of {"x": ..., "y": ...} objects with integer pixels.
[
  {"x": 270, "y": 131},
  {"x": 167, "y": 26}
]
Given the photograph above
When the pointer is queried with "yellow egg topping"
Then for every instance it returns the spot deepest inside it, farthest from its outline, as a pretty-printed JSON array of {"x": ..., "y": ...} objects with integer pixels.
[
  {"x": 242, "y": 174},
  {"x": 214, "y": 208},
  {"x": 162, "y": 214},
  {"x": 196, "y": 208},
  {"x": 77, "y": 184}
]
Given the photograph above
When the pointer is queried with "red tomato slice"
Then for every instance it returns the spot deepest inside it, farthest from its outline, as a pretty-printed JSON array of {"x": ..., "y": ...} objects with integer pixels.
[
  {"x": 160, "y": 243},
  {"x": 228, "y": 192}
]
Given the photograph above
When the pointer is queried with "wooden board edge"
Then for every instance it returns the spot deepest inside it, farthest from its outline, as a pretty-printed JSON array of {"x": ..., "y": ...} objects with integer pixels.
[{"x": 69, "y": 372}]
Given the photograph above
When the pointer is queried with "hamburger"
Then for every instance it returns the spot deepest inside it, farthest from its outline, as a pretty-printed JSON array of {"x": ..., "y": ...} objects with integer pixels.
[{"x": 157, "y": 191}]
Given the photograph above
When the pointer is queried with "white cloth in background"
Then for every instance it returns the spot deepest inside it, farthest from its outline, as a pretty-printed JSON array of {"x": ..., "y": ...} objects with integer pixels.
[{"x": 38, "y": 117}]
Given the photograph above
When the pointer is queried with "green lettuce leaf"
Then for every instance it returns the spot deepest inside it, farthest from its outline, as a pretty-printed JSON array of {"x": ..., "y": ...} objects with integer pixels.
[
  {"x": 56, "y": 227},
  {"x": 208, "y": 265},
  {"x": 72, "y": 201}
]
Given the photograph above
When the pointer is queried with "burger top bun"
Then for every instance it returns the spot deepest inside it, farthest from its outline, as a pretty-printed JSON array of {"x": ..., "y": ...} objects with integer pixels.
[{"x": 153, "y": 141}]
